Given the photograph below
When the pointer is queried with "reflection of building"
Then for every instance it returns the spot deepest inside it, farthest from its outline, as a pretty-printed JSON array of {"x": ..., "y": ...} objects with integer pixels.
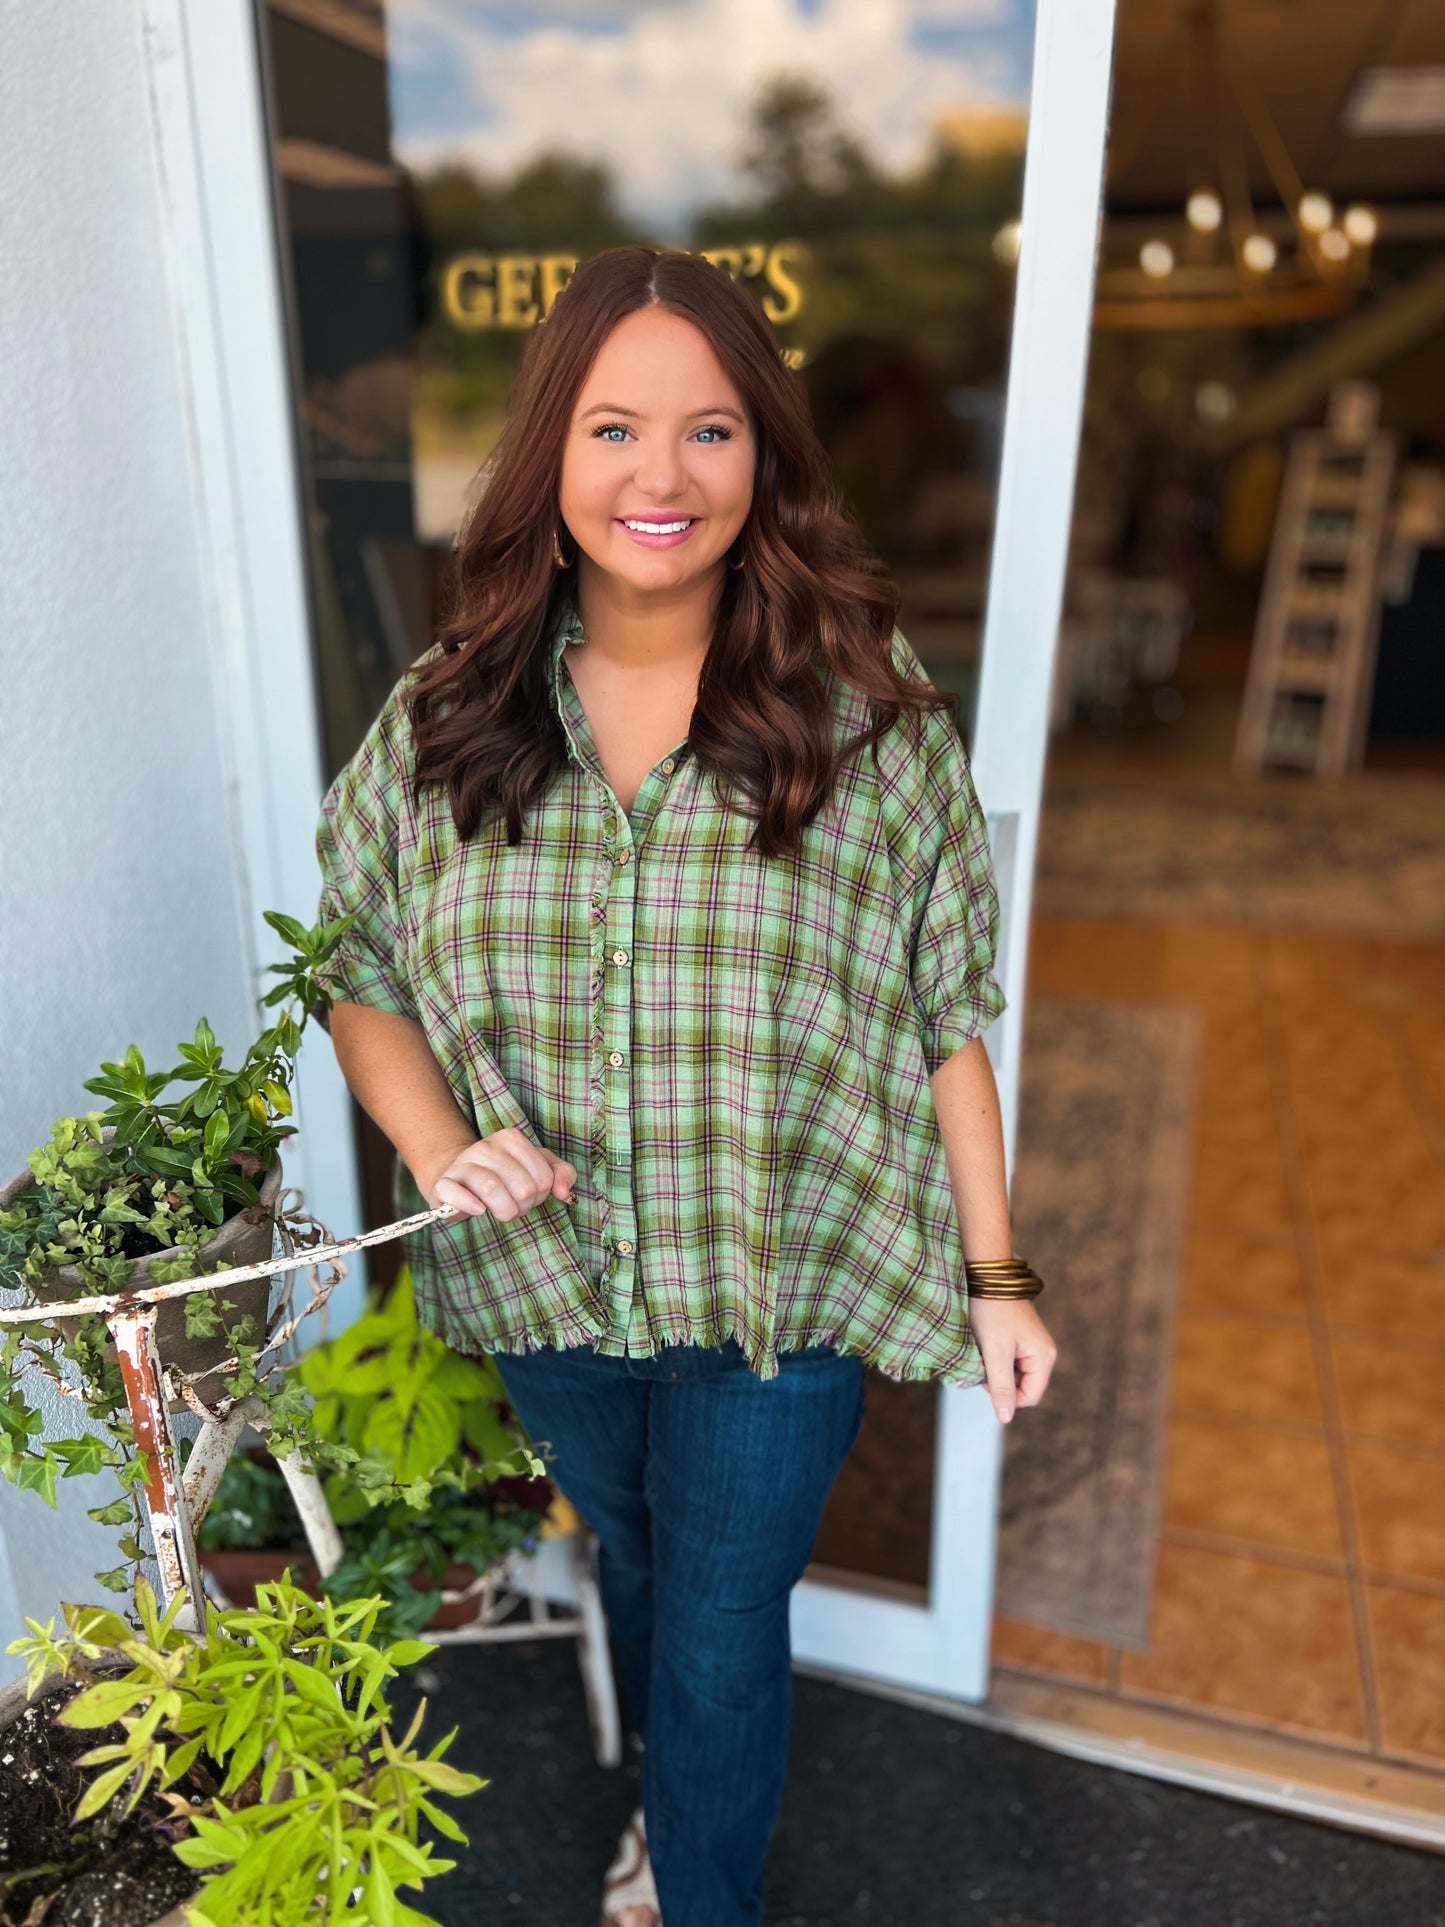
[{"x": 985, "y": 129}]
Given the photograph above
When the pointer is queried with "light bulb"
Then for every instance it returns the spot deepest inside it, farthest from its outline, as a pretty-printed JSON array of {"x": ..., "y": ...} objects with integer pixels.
[
  {"x": 1213, "y": 402},
  {"x": 1334, "y": 244},
  {"x": 1259, "y": 253},
  {"x": 1156, "y": 258},
  {"x": 1316, "y": 211},
  {"x": 1006, "y": 243},
  {"x": 1204, "y": 210},
  {"x": 1360, "y": 224}
]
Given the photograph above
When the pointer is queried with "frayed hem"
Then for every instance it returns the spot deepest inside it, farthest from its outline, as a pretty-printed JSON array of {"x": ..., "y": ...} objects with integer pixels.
[{"x": 762, "y": 1354}]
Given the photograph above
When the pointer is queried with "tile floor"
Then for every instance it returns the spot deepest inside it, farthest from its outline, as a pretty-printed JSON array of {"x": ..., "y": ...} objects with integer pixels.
[{"x": 1300, "y": 1585}]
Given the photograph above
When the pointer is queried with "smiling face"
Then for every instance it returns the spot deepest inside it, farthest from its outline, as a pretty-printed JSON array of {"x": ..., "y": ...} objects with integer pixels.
[{"x": 657, "y": 475}]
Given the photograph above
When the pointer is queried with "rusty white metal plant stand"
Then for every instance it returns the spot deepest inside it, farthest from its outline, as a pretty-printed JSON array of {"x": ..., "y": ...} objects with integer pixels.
[{"x": 175, "y": 1505}]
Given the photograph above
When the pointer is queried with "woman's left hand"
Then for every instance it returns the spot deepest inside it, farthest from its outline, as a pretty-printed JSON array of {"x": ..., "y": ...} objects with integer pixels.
[{"x": 1018, "y": 1354}]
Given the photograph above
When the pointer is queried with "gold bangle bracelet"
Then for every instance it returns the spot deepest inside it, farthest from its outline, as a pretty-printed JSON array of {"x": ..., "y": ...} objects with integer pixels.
[{"x": 1001, "y": 1278}]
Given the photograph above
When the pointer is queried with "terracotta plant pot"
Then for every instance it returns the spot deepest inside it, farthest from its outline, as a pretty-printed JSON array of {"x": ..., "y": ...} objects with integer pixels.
[
  {"x": 452, "y": 1612},
  {"x": 13, "y": 1702},
  {"x": 237, "y": 1242},
  {"x": 238, "y": 1573}
]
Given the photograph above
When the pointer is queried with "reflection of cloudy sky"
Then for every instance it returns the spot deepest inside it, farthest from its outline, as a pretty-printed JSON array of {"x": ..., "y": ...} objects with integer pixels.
[{"x": 658, "y": 89}]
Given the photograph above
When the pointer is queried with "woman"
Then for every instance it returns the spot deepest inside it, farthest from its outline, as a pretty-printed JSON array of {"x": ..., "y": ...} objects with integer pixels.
[{"x": 673, "y": 950}]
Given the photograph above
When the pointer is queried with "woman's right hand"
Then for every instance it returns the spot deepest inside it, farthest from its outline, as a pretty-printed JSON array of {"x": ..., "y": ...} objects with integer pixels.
[{"x": 504, "y": 1173}]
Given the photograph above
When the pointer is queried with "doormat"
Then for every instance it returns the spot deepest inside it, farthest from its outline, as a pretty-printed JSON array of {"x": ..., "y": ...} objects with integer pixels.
[
  {"x": 891, "y": 1814},
  {"x": 1366, "y": 854},
  {"x": 1101, "y": 1186}
]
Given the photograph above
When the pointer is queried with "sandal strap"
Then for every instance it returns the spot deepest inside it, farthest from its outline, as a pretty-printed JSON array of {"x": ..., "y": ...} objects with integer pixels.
[{"x": 628, "y": 1882}]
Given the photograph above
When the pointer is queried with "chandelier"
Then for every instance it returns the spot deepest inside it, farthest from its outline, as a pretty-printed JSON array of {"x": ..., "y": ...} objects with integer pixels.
[{"x": 1221, "y": 249}]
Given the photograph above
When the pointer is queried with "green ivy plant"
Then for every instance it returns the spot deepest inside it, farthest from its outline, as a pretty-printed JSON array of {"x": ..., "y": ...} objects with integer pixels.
[
  {"x": 309, "y": 1807},
  {"x": 170, "y": 1158}
]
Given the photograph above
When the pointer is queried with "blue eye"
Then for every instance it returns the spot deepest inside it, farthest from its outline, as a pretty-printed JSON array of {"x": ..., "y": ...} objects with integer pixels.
[
  {"x": 717, "y": 430},
  {"x": 609, "y": 430}
]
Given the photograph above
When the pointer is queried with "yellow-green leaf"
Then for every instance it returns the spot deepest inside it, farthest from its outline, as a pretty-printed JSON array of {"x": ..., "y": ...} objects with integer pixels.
[
  {"x": 102, "y": 1788},
  {"x": 98, "y": 1705}
]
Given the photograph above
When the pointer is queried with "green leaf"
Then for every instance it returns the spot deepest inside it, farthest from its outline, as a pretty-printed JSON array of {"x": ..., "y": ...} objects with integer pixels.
[
  {"x": 312, "y": 1685},
  {"x": 443, "y": 1822},
  {"x": 380, "y": 1899},
  {"x": 241, "y": 1712},
  {"x": 116, "y": 1580},
  {"x": 278, "y": 1096},
  {"x": 101, "y": 1789},
  {"x": 409, "y": 1652},
  {"x": 244, "y": 1760},
  {"x": 103, "y": 1703},
  {"x": 179, "y": 1762},
  {"x": 446, "y": 1779},
  {"x": 296, "y": 934},
  {"x": 94, "y": 1626},
  {"x": 217, "y": 1126},
  {"x": 117, "y": 1513},
  {"x": 38, "y": 1475},
  {"x": 202, "y": 1318}
]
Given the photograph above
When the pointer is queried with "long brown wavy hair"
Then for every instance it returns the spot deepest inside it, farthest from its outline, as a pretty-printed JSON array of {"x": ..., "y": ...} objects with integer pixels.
[{"x": 762, "y": 724}]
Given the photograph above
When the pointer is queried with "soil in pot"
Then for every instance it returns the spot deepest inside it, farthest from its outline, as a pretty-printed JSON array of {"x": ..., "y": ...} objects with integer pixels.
[{"x": 108, "y": 1871}]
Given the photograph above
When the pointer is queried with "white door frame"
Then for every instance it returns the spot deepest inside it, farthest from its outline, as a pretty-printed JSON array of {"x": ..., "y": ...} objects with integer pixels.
[
  {"x": 213, "y": 165},
  {"x": 212, "y": 153},
  {"x": 943, "y": 1646}
]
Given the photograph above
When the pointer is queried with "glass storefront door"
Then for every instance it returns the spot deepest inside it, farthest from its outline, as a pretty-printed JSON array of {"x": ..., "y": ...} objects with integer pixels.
[{"x": 442, "y": 166}]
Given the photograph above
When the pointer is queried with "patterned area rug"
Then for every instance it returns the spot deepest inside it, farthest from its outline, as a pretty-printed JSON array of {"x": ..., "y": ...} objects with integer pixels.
[
  {"x": 1366, "y": 854},
  {"x": 1100, "y": 1195}
]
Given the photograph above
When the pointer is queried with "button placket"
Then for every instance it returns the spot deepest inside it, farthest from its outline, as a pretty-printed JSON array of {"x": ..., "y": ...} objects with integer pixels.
[
  {"x": 612, "y": 1044},
  {"x": 610, "y": 932}
]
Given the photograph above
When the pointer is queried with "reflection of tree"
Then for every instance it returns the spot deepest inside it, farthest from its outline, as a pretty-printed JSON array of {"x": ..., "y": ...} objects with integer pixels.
[
  {"x": 910, "y": 258},
  {"x": 554, "y": 203},
  {"x": 904, "y": 302},
  {"x": 798, "y": 149}
]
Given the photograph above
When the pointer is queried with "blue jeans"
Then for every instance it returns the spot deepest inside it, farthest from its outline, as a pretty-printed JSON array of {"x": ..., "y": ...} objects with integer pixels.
[{"x": 704, "y": 1485}]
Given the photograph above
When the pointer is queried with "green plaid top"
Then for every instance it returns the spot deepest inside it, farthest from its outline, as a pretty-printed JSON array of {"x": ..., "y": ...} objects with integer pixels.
[{"x": 733, "y": 1051}]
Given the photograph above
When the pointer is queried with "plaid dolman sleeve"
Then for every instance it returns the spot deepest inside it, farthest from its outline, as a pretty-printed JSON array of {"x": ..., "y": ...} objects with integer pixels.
[
  {"x": 357, "y": 840},
  {"x": 945, "y": 881}
]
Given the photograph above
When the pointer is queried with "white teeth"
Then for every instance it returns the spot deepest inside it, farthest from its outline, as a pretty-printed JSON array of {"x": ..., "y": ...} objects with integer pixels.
[{"x": 659, "y": 528}]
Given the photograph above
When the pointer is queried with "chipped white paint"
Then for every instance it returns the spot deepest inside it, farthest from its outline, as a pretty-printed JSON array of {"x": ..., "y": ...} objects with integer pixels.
[
  {"x": 310, "y": 1501},
  {"x": 216, "y": 1441},
  {"x": 293, "y": 1261}
]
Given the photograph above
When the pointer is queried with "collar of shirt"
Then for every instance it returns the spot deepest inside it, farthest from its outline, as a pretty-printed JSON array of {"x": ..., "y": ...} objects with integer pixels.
[{"x": 562, "y": 694}]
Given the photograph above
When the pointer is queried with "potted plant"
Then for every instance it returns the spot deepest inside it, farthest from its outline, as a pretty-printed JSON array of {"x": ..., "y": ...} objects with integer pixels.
[
  {"x": 178, "y": 1176},
  {"x": 427, "y": 1475},
  {"x": 259, "y": 1752},
  {"x": 257, "y": 1746}
]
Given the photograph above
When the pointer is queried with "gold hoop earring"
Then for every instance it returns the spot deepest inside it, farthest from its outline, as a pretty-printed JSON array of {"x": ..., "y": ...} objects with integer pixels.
[
  {"x": 557, "y": 555},
  {"x": 741, "y": 563}
]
